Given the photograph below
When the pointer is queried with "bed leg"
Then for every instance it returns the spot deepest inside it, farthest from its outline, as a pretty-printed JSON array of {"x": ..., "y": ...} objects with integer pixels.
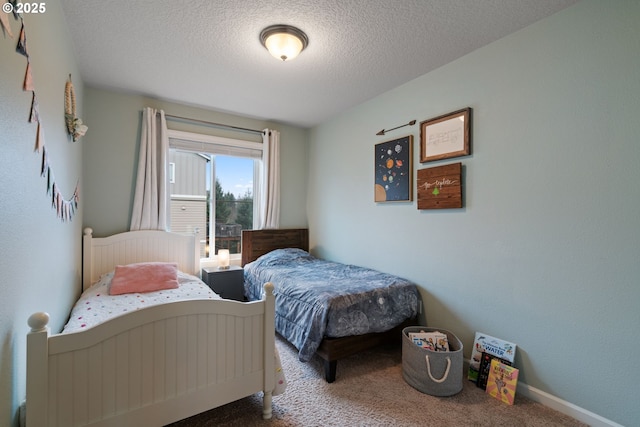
[
  {"x": 266, "y": 405},
  {"x": 330, "y": 370}
]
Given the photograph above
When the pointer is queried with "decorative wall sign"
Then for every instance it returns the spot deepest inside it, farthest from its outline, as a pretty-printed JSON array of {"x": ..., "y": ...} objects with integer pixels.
[
  {"x": 393, "y": 170},
  {"x": 65, "y": 207},
  {"x": 445, "y": 136},
  {"x": 440, "y": 187}
]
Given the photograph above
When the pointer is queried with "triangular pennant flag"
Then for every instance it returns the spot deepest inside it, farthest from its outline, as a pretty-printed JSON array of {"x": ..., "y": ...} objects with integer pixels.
[
  {"x": 58, "y": 202},
  {"x": 44, "y": 167},
  {"x": 35, "y": 113},
  {"x": 39, "y": 138},
  {"x": 28, "y": 79},
  {"x": 49, "y": 180},
  {"x": 22, "y": 42},
  {"x": 4, "y": 23},
  {"x": 53, "y": 194}
]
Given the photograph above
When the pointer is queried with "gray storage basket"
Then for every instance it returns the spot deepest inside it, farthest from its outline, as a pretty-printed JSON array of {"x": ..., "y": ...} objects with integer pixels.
[{"x": 438, "y": 373}]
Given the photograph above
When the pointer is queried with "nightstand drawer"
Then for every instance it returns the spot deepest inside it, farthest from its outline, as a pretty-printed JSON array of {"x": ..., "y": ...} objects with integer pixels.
[{"x": 229, "y": 283}]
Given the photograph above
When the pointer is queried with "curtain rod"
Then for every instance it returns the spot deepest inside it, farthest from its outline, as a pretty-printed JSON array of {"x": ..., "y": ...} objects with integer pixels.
[{"x": 171, "y": 116}]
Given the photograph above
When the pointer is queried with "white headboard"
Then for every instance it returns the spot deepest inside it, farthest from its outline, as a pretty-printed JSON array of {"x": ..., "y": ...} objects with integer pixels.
[{"x": 101, "y": 255}]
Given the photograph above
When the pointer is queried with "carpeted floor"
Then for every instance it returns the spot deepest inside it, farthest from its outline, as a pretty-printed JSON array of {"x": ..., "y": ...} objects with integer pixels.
[{"x": 369, "y": 391}]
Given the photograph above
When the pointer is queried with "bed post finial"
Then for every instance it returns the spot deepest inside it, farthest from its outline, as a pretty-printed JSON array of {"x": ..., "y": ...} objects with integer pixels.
[
  {"x": 268, "y": 288},
  {"x": 88, "y": 231},
  {"x": 38, "y": 321}
]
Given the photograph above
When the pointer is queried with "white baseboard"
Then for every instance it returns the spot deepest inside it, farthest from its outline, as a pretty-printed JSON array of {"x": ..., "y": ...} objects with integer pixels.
[
  {"x": 562, "y": 406},
  {"x": 557, "y": 404}
]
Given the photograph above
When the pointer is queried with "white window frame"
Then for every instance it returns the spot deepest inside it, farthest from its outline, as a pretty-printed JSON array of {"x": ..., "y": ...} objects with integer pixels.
[{"x": 201, "y": 143}]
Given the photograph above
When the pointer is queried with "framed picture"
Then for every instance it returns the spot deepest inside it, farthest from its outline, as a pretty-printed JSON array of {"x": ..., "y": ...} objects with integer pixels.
[
  {"x": 445, "y": 136},
  {"x": 393, "y": 170},
  {"x": 440, "y": 187}
]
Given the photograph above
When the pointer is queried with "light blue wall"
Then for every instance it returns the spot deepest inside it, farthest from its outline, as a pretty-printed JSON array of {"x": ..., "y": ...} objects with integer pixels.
[
  {"x": 112, "y": 151},
  {"x": 546, "y": 251},
  {"x": 39, "y": 255}
]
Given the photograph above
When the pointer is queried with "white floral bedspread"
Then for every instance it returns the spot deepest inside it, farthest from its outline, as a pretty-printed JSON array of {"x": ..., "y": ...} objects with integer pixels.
[{"x": 96, "y": 305}]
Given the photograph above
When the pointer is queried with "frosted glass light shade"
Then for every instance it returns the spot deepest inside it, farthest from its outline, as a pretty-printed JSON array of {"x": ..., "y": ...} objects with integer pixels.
[
  {"x": 223, "y": 259},
  {"x": 283, "y": 41},
  {"x": 283, "y": 46}
]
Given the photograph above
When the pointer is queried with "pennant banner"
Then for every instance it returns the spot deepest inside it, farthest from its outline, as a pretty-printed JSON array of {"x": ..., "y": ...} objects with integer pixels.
[{"x": 65, "y": 208}]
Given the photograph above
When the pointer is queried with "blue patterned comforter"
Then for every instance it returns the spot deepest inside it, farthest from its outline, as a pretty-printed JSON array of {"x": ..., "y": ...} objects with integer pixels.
[{"x": 317, "y": 298}]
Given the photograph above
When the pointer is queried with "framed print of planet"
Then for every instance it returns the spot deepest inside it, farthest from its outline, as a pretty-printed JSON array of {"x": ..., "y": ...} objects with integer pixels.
[{"x": 394, "y": 170}]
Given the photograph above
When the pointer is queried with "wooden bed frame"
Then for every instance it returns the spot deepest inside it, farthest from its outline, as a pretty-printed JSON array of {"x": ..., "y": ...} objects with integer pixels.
[
  {"x": 152, "y": 366},
  {"x": 256, "y": 243}
]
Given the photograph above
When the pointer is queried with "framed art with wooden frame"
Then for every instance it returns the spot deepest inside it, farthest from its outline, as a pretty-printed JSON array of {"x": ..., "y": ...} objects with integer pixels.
[
  {"x": 394, "y": 170},
  {"x": 445, "y": 136},
  {"x": 440, "y": 187}
]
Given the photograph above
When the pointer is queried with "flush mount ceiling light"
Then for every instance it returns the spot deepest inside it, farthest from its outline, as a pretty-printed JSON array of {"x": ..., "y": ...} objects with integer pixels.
[{"x": 284, "y": 41}]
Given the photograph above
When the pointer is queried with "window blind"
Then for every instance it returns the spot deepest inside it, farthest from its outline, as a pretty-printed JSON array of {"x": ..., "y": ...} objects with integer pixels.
[{"x": 214, "y": 145}]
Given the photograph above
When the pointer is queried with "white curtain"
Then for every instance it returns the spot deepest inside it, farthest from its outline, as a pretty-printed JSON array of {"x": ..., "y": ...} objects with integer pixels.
[
  {"x": 270, "y": 202},
  {"x": 150, "y": 200}
]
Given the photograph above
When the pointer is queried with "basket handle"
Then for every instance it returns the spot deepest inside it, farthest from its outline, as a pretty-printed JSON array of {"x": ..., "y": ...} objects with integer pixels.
[{"x": 446, "y": 371}]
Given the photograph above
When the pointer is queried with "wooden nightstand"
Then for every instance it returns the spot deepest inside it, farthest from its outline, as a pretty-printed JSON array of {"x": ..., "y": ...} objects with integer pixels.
[{"x": 227, "y": 283}]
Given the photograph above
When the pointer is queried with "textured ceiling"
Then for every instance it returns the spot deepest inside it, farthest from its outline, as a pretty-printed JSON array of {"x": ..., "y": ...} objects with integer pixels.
[{"x": 207, "y": 53}]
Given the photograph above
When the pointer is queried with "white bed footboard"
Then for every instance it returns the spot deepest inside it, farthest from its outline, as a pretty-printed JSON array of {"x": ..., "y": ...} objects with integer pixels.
[{"x": 153, "y": 366}]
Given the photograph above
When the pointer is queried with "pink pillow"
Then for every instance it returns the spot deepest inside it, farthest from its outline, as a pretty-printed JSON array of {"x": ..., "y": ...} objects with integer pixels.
[{"x": 144, "y": 277}]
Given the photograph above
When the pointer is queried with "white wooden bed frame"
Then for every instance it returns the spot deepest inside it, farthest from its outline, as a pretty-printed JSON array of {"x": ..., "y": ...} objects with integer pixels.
[{"x": 156, "y": 365}]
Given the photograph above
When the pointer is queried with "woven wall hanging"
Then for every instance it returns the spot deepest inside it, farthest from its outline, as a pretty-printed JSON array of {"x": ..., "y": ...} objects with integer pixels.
[{"x": 75, "y": 128}]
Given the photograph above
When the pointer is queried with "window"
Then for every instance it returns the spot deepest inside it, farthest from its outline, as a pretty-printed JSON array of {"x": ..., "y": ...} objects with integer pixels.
[
  {"x": 214, "y": 183},
  {"x": 172, "y": 173}
]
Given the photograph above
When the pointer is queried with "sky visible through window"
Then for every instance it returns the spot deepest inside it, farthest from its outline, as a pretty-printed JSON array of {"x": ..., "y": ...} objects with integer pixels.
[{"x": 235, "y": 174}]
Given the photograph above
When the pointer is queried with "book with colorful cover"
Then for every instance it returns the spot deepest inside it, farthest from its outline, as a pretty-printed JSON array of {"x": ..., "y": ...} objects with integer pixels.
[
  {"x": 434, "y": 341},
  {"x": 493, "y": 346},
  {"x": 502, "y": 381},
  {"x": 485, "y": 365}
]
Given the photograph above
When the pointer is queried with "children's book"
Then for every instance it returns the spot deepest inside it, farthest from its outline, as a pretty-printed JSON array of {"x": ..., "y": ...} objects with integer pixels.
[
  {"x": 434, "y": 341},
  {"x": 488, "y": 344},
  {"x": 502, "y": 381},
  {"x": 485, "y": 365}
]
